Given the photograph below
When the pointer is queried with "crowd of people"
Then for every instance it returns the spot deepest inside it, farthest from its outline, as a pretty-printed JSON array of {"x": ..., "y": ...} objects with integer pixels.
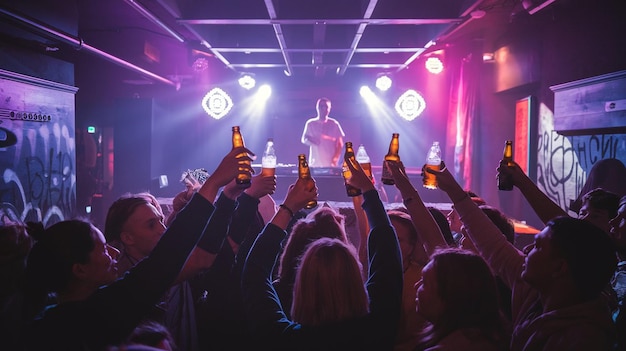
[{"x": 231, "y": 270}]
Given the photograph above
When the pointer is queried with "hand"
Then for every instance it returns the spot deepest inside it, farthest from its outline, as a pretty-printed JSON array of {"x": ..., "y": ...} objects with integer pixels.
[
  {"x": 445, "y": 179},
  {"x": 261, "y": 186},
  {"x": 514, "y": 171},
  {"x": 236, "y": 161},
  {"x": 300, "y": 193},
  {"x": 400, "y": 178},
  {"x": 359, "y": 179}
]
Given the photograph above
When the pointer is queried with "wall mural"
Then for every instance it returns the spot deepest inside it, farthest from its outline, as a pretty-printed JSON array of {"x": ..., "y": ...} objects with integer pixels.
[
  {"x": 563, "y": 162},
  {"x": 37, "y": 150}
]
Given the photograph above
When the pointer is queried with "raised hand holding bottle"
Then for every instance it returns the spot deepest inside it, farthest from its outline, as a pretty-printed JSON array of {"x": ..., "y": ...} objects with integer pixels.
[
  {"x": 347, "y": 174},
  {"x": 304, "y": 172},
  {"x": 244, "y": 177},
  {"x": 433, "y": 161},
  {"x": 392, "y": 155}
]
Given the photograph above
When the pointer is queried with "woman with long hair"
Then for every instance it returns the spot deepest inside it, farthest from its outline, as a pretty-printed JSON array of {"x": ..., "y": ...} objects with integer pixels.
[
  {"x": 324, "y": 222},
  {"x": 332, "y": 308}
]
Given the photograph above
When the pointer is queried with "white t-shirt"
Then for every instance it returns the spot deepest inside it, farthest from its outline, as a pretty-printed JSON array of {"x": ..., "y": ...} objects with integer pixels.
[{"x": 321, "y": 155}]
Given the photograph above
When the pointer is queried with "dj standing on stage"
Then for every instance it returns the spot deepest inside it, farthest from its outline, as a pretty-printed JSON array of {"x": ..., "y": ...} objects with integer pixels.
[{"x": 324, "y": 136}]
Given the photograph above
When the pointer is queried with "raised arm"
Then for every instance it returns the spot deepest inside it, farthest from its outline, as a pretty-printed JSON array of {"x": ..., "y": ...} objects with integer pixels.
[
  {"x": 124, "y": 303},
  {"x": 384, "y": 283},
  {"x": 205, "y": 253},
  {"x": 245, "y": 216},
  {"x": 505, "y": 260},
  {"x": 543, "y": 206},
  {"x": 364, "y": 229},
  {"x": 430, "y": 237},
  {"x": 266, "y": 315}
]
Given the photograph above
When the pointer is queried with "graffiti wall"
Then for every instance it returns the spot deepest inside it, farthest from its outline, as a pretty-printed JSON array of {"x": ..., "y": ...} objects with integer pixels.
[
  {"x": 37, "y": 149},
  {"x": 563, "y": 162}
]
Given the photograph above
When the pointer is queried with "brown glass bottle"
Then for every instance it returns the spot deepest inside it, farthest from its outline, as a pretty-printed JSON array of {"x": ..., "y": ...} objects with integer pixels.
[
  {"x": 304, "y": 172},
  {"x": 505, "y": 181},
  {"x": 244, "y": 177},
  {"x": 392, "y": 155},
  {"x": 347, "y": 174}
]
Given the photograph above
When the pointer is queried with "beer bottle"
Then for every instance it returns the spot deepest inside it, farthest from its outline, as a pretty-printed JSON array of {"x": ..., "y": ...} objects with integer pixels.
[
  {"x": 364, "y": 160},
  {"x": 433, "y": 161},
  {"x": 505, "y": 181},
  {"x": 304, "y": 172},
  {"x": 392, "y": 155},
  {"x": 244, "y": 177},
  {"x": 268, "y": 161},
  {"x": 347, "y": 174}
]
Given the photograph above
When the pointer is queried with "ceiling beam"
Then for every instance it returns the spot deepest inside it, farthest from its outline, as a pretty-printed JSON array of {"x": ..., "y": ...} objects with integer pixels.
[
  {"x": 465, "y": 17},
  {"x": 317, "y": 57},
  {"x": 357, "y": 37},
  {"x": 175, "y": 13},
  {"x": 353, "y": 21},
  {"x": 278, "y": 65},
  {"x": 271, "y": 10},
  {"x": 276, "y": 50}
]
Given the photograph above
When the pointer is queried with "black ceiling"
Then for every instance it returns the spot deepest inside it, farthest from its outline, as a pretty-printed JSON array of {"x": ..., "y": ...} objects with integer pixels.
[{"x": 303, "y": 38}]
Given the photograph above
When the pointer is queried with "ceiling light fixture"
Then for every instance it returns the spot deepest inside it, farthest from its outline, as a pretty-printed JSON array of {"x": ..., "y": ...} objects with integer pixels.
[
  {"x": 247, "y": 81},
  {"x": 410, "y": 105},
  {"x": 216, "y": 103},
  {"x": 434, "y": 65},
  {"x": 383, "y": 83}
]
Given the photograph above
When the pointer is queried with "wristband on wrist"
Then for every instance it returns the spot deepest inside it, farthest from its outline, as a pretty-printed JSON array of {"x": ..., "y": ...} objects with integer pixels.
[{"x": 283, "y": 206}]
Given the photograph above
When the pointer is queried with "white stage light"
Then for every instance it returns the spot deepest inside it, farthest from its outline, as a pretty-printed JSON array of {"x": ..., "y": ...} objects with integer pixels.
[
  {"x": 434, "y": 65},
  {"x": 216, "y": 103},
  {"x": 366, "y": 92},
  {"x": 247, "y": 81},
  {"x": 410, "y": 105},
  {"x": 383, "y": 83}
]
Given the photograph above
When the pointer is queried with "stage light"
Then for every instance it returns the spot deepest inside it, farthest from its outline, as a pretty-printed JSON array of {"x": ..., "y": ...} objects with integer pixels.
[
  {"x": 91, "y": 129},
  {"x": 216, "y": 103},
  {"x": 247, "y": 81},
  {"x": 264, "y": 93},
  {"x": 434, "y": 65},
  {"x": 366, "y": 92},
  {"x": 410, "y": 105},
  {"x": 488, "y": 57},
  {"x": 383, "y": 83}
]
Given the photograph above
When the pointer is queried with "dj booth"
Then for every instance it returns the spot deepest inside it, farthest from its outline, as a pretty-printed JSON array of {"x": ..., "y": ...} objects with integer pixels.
[
  {"x": 331, "y": 186},
  {"x": 332, "y": 193}
]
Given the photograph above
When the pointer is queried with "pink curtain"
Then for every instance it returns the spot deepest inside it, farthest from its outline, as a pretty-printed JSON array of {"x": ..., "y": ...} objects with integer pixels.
[{"x": 462, "y": 115}]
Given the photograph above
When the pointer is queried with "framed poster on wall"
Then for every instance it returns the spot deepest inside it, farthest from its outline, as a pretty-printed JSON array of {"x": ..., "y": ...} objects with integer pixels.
[{"x": 523, "y": 122}]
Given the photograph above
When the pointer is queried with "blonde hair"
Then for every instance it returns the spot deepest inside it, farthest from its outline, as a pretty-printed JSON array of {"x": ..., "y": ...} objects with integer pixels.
[{"x": 328, "y": 285}]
